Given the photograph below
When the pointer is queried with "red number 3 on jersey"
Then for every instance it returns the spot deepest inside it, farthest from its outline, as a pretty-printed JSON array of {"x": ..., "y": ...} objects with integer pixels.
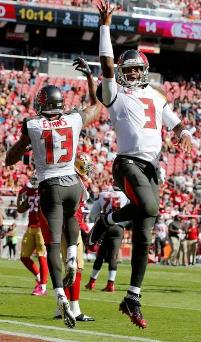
[{"x": 150, "y": 113}]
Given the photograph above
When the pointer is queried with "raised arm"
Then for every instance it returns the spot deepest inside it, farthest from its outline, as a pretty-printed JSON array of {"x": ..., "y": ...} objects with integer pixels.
[
  {"x": 109, "y": 85},
  {"x": 82, "y": 65},
  {"x": 105, "y": 46},
  {"x": 92, "y": 112}
]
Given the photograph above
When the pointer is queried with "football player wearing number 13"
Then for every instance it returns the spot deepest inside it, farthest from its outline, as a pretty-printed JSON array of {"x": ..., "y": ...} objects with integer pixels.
[
  {"x": 54, "y": 136},
  {"x": 137, "y": 112}
]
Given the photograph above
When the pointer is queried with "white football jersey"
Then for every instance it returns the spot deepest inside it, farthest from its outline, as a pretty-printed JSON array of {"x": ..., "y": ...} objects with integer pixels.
[
  {"x": 54, "y": 144},
  {"x": 108, "y": 200},
  {"x": 137, "y": 116}
]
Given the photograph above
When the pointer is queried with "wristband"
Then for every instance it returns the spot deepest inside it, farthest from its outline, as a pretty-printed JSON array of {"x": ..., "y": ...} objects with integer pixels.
[
  {"x": 185, "y": 131},
  {"x": 105, "y": 45}
]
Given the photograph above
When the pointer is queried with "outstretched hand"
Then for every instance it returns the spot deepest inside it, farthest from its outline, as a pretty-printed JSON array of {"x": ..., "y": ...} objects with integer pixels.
[
  {"x": 105, "y": 11},
  {"x": 81, "y": 65},
  {"x": 186, "y": 143}
]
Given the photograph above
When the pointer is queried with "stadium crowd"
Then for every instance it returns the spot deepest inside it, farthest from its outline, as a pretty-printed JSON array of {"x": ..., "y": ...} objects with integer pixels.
[
  {"x": 190, "y": 9},
  {"x": 181, "y": 188}
]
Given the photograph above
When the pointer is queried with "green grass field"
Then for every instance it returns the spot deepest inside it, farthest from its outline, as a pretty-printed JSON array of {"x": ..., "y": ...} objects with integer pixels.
[{"x": 171, "y": 299}]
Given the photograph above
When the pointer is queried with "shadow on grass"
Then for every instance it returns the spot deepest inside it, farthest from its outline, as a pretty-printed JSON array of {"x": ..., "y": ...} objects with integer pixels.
[{"x": 14, "y": 287}]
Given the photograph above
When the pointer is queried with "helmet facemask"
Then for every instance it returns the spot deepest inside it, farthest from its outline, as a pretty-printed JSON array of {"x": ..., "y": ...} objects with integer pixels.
[
  {"x": 34, "y": 180},
  {"x": 136, "y": 60}
]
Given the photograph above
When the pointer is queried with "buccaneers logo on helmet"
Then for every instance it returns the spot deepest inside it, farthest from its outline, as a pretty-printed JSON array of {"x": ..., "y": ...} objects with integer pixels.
[{"x": 42, "y": 97}]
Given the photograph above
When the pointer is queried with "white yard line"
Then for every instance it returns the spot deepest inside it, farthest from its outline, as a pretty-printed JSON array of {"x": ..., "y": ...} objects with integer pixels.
[
  {"x": 49, "y": 339},
  {"x": 76, "y": 331}
]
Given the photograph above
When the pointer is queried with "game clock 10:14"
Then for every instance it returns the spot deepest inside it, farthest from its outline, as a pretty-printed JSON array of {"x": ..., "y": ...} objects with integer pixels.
[{"x": 35, "y": 15}]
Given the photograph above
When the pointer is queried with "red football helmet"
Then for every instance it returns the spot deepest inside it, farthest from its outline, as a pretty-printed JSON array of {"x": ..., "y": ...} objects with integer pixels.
[{"x": 129, "y": 78}]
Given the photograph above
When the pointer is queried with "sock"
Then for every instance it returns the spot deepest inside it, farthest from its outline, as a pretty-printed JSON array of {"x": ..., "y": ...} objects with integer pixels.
[
  {"x": 43, "y": 287},
  {"x": 95, "y": 273},
  {"x": 30, "y": 265},
  {"x": 75, "y": 308},
  {"x": 59, "y": 291},
  {"x": 134, "y": 289},
  {"x": 67, "y": 292},
  {"x": 72, "y": 252},
  {"x": 112, "y": 275},
  {"x": 38, "y": 277},
  {"x": 75, "y": 288},
  {"x": 43, "y": 269}
]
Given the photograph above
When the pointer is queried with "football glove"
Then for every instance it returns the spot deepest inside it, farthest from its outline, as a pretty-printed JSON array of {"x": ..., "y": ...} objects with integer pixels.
[{"x": 81, "y": 65}]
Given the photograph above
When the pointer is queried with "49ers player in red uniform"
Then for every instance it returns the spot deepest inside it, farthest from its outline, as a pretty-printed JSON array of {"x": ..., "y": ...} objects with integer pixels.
[{"x": 33, "y": 240}]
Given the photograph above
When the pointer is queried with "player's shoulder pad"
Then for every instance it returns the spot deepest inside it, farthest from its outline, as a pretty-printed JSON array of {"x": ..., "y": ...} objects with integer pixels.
[
  {"x": 75, "y": 110},
  {"x": 160, "y": 90},
  {"x": 72, "y": 111}
]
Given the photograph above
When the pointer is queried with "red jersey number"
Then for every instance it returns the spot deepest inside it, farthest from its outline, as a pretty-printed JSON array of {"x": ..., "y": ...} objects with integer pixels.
[
  {"x": 67, "y": 144},
  {"x": 150, "y": 112}
]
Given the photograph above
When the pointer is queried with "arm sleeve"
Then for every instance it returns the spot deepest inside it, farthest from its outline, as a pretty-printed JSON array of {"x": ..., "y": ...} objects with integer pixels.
[
  {"x": 24, "y": 127},
  {"x": 109, "y": 91},
  {"x": 169, "y": 118}
]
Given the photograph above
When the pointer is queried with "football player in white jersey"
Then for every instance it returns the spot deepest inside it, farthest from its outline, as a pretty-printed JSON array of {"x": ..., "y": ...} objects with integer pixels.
[
  {"x": 137, "y": 111},
  {"x": 111, "y": 241},
  {"x": 54, "y": 136}
]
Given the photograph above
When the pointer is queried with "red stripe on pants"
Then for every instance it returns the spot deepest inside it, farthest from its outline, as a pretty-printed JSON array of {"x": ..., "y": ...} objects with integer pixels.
[{"x": 130, "y": 193}]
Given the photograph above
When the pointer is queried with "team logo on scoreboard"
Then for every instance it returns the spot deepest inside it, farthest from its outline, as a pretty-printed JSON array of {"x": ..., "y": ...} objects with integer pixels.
[{"x": 185, "y": 30}]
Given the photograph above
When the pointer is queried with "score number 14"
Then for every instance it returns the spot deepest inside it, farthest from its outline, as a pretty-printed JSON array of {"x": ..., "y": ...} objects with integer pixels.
[{"x": 151, "y": 26}]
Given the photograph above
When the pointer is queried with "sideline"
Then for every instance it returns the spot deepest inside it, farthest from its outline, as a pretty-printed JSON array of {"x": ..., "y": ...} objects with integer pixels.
[
  {"x": 41, "y": 338},
  {"x": 76, "y": 331}
]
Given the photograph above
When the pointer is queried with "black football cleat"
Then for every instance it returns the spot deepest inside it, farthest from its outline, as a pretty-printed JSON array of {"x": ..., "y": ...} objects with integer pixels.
[
  {"x": 84, "y": 318},
  {"x": 98, "y": 230},
  {"x": 131, "y": 307}
]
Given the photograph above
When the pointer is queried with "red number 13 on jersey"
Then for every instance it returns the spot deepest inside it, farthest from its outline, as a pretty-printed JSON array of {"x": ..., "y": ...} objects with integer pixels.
[
  {"x": 150, "y": 112},
  {"x": 66, "y": 144}
]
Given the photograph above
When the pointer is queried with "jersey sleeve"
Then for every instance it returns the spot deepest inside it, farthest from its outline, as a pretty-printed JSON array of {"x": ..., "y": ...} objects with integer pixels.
[
  {"x": 78, "y": 111},
  {"x": 169, "y": 118}
]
